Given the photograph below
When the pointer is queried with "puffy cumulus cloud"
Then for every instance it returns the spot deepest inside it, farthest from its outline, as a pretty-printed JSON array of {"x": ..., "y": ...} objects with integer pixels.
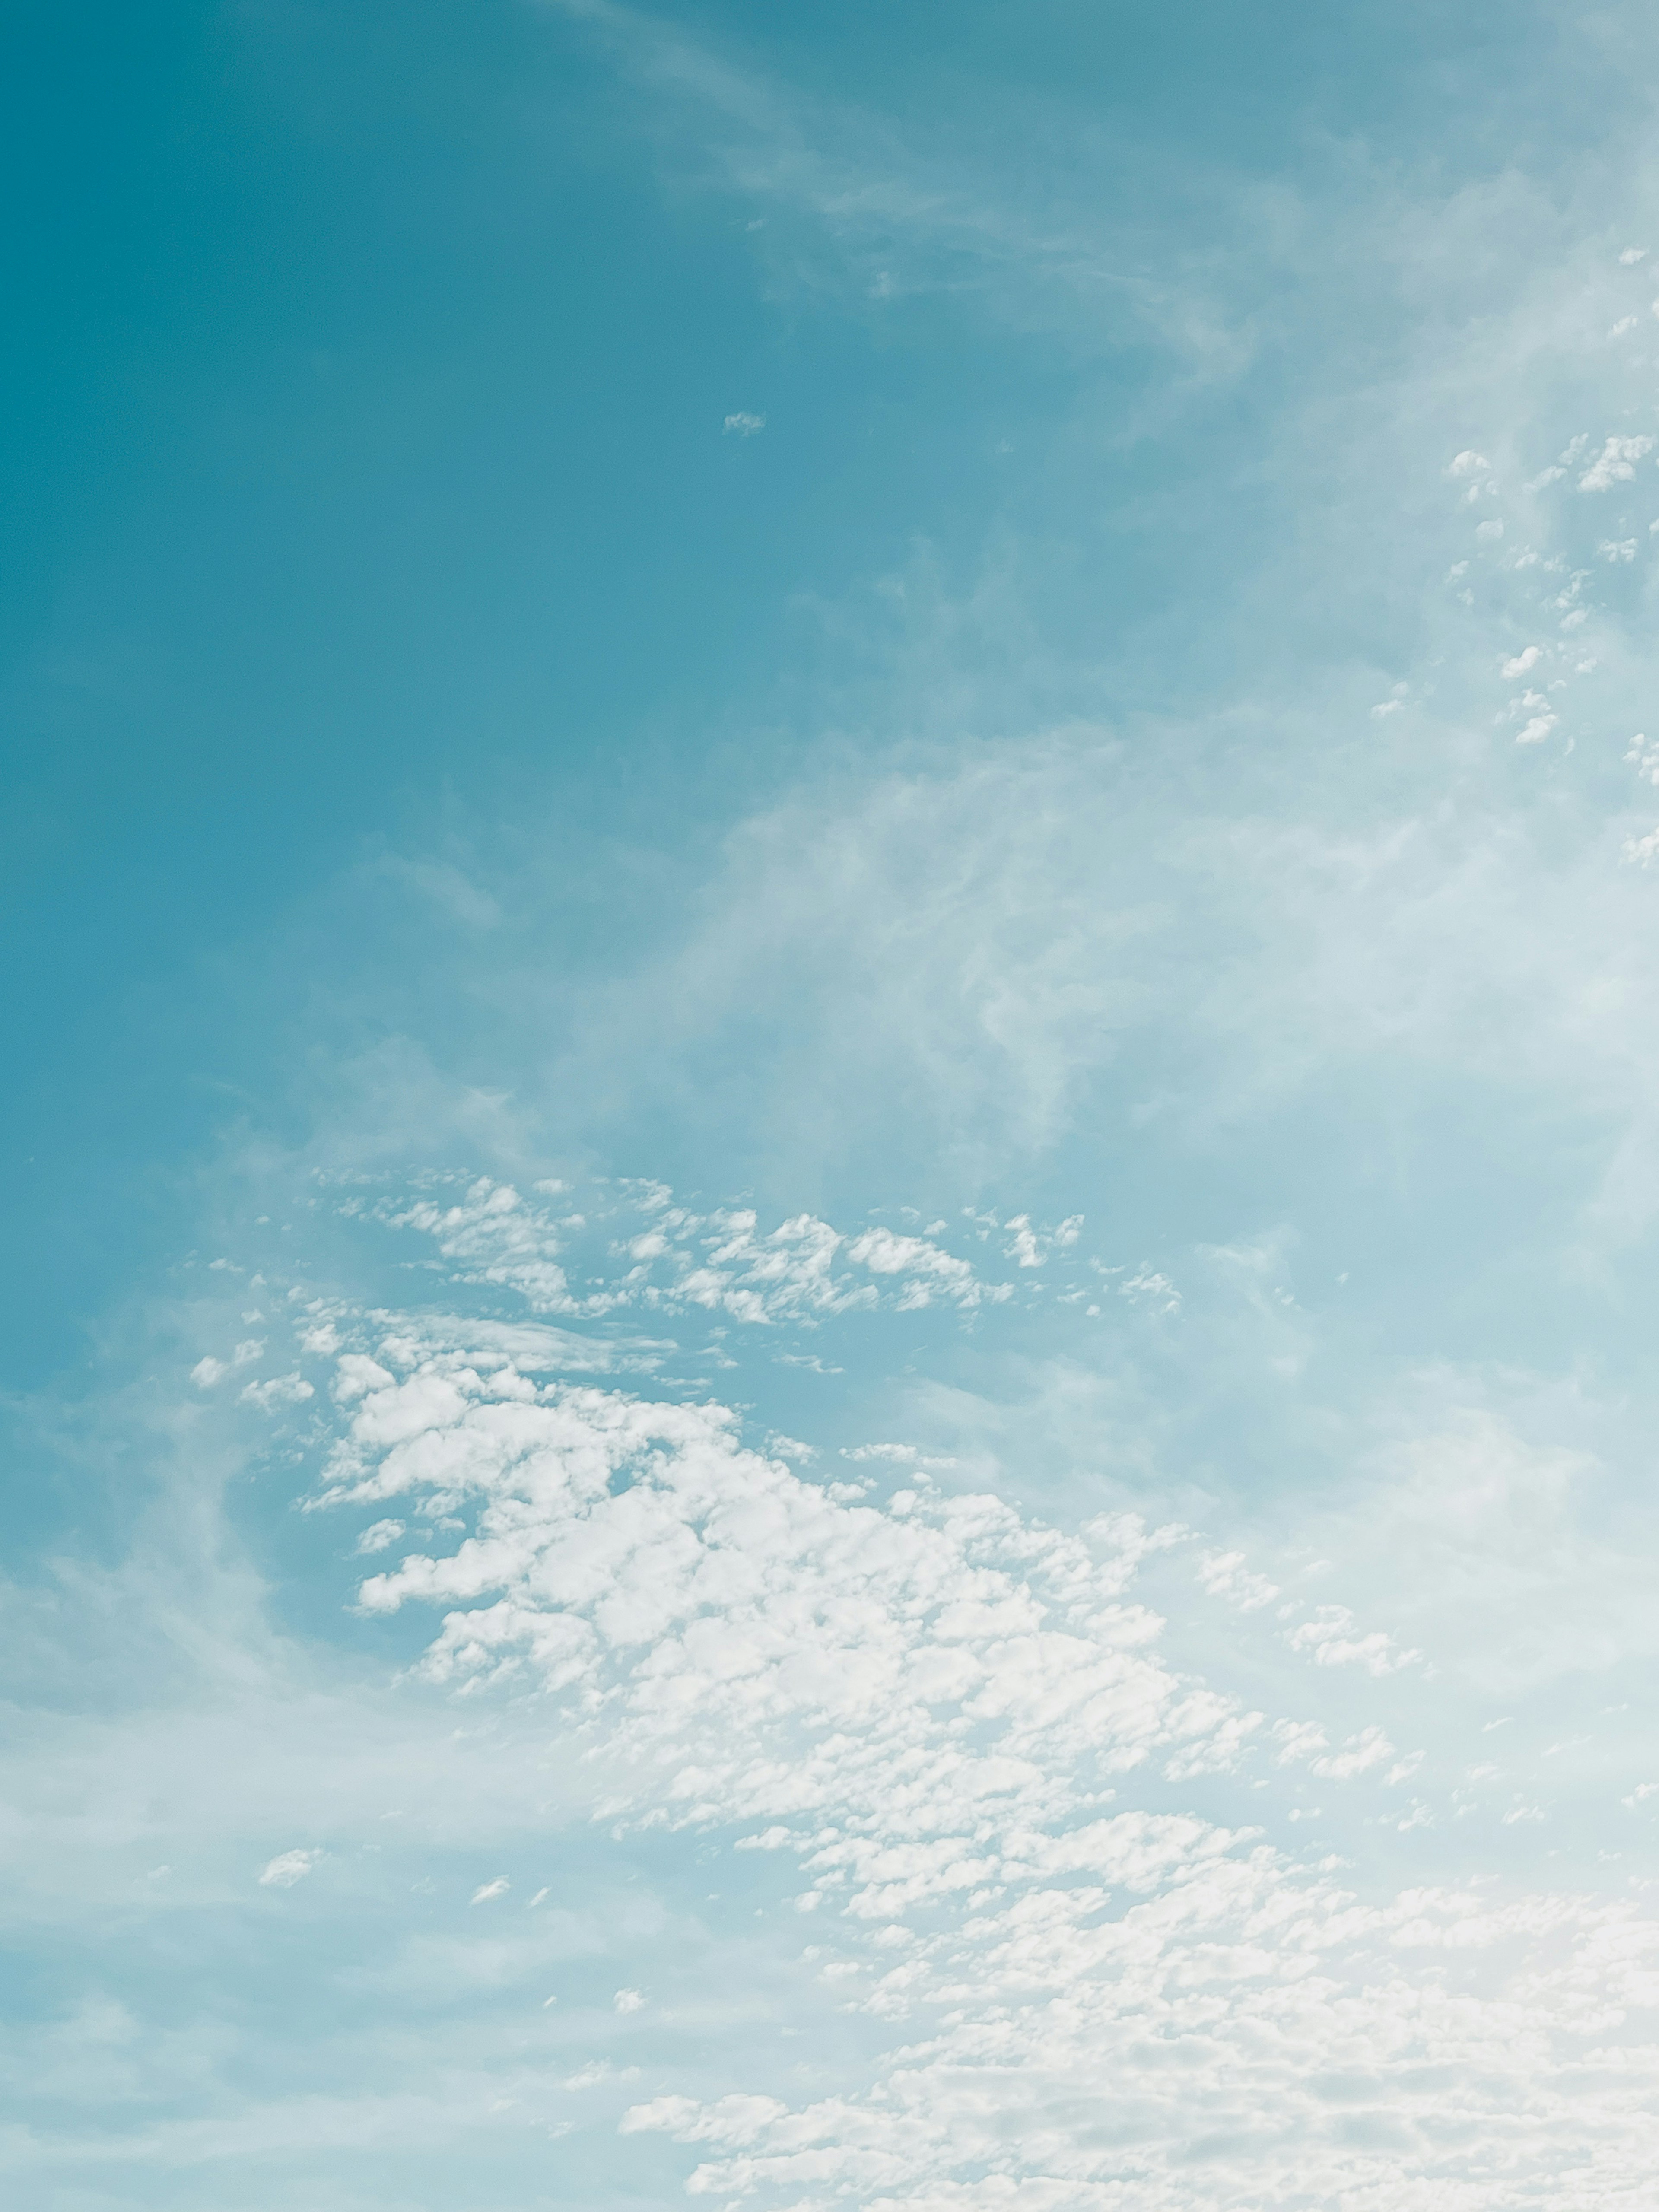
[
  {"x": 957, "y": 1723},
  {"x": 1615, "y": 463},
  {"x": 277, "y": 1391}
]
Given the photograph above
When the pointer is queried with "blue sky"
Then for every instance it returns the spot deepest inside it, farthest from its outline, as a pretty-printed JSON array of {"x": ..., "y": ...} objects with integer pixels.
[{"x": 830, "y": 847}]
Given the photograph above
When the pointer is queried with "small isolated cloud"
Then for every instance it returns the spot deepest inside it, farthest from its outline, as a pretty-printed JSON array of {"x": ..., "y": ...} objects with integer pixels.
[
  {"x": 1468, "y": 463},
  {"x": 281, "y": 1390},
  {"x": 1632, "y": 255},
  {"x": 1489, "y": 532},
  {"x": 744, "y": 426},
  {"x": 1368, "y": 1748},
  {"x": 376, "y": 1538},
  {"x": 630, "y": 2000},
  {"x": 1617, "y": 548},
  {"x": 486, "y": 1890},
  {"x": 1147, "y": 1287},
  {"x": 1615, "y": 463},
  {"x": 1523, "y": 664},
  {"x": 1031, "y": 1247},
  {"x": 288, "y": 1868}
]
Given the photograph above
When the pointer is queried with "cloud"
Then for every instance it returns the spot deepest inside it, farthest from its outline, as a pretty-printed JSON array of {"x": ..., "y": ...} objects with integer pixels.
[
  {"x": 280, "y": 1391},
  {"x": 1329, "y": 1638},
  {"x": 288, "y": 1868},
  {"x": 379, "y": 1536},
  {"x": 936, "y": 1710},
  {"x": 446, "y": 887},
  {"x": 721, "y": 1260},
  {"x": 744, "y": 426},
  {"x": 1616, "y": 463},
  {"x": 1049, "y": 1761}
]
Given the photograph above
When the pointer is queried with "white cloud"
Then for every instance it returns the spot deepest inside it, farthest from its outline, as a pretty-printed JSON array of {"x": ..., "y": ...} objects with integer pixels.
[
  {"x": 1358, "y": 1755},
  {"x": 487, "y": 1891},
  {"x": 744, "y": 426},
  {"x": 288, "y": 1868},
  {"x": 280, "y": 1391},
  {"x": 1224, "y": 1575},
  {"x": 944, "y": 1714},
  {"x": 721, "y": 1260},
  {"x": 1616, "y": 463},
  {"x": 1330, "y": 1637},
  {"x": 379, "y": 1536}
]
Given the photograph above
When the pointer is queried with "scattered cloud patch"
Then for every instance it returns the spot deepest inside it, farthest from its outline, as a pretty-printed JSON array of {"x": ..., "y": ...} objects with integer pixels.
[
  {"x": 288, "y": 1868},
  {"x": 1615, "y": 463}
]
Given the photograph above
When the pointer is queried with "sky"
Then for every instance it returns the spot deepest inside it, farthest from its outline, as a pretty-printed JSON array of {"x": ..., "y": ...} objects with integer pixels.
[{"x": 830, "y": 858}]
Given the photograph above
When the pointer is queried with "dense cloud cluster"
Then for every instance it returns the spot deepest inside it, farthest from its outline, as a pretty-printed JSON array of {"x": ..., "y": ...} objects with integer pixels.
[{"x": 971, "y": 1737}]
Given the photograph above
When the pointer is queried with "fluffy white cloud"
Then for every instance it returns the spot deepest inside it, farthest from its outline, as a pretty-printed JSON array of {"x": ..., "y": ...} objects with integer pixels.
[
  {"x": 1615, "y": 463},
  {"x": 936, "y": 1707}
]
